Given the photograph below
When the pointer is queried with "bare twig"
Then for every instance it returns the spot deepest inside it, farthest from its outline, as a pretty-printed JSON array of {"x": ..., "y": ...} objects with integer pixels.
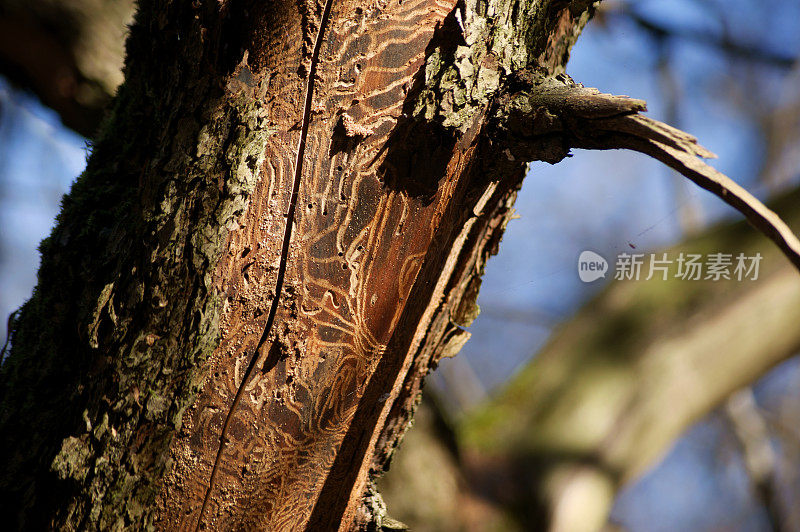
[
  {"x": 753, "y": 437},
  {"x": 552, "y": 115},
  {"x": 680, "y": 151}
]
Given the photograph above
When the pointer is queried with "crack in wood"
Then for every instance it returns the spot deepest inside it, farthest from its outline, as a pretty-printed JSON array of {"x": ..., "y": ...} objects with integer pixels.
[{"x": 273, "y": 355}]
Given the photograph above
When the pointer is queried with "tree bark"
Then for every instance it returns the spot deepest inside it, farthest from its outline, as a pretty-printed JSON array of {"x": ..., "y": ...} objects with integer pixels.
[{"x": 278, "y": 233}]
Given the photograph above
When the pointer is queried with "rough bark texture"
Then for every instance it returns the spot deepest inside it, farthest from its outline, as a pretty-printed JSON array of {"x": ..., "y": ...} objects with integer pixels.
[
  {"x": 110, "y": 349},
  {"x": 278, "y": 233},
  {"x": 67, "y": 53}
]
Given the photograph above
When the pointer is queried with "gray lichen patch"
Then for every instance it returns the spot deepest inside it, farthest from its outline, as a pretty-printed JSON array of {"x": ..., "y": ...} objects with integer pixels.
[
  {"x": 485, "y": 41},
  {"x": 74, "y": 460},
  {"x": 110, "y": 350}
]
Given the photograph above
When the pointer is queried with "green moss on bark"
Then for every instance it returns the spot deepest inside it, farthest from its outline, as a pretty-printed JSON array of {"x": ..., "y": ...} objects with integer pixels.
[
  {"x": 109, "y": 350},
  {"x": 485, "y": 43}
]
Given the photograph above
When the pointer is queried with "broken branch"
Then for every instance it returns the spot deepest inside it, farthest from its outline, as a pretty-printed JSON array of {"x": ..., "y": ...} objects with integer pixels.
[{"x": 553, "y": 115}]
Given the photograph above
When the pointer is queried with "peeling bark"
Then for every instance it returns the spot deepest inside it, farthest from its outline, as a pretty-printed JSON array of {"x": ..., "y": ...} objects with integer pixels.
[
  {"x": 158, "y": 282},
  {"x": 551, "y": 115}
]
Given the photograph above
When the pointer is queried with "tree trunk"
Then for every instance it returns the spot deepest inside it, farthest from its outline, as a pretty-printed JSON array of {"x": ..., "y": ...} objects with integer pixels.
[{"x": 279, "y": 231}]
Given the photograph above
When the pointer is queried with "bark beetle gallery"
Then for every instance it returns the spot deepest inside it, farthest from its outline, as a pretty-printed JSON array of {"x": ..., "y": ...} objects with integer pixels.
[{"x": 280, "y": 231}]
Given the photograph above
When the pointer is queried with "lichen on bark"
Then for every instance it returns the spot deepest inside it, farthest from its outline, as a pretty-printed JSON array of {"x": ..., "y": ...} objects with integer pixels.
[
  {"x": 486, "y": 41},
  {"x": 112, "y": 348},
  {"x": 109, "y": 350}
]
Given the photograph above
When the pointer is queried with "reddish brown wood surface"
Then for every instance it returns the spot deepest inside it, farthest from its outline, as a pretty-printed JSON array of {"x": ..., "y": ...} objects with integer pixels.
[
  {"x": 332, "y": 304},
  {"x": 344, "y": 275},
  {"x": 392, "y": 223},
  {"x": 354, "y": 256}
]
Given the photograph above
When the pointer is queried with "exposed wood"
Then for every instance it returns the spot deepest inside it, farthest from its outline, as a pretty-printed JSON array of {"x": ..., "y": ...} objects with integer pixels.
[
  {"x": 156, "y": 286},
  {"x": 279, "y": 233}
]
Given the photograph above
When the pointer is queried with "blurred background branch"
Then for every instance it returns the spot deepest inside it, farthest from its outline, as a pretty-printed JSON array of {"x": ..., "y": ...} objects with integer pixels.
[
  {"x": 67, "y": 53},
  {"x": 606, "y": 398}
]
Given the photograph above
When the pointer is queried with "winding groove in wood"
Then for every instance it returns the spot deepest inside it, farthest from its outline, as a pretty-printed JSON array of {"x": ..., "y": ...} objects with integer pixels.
[
  {"x": 287, "y": 236},
  {"x": 355, "y": 254}
]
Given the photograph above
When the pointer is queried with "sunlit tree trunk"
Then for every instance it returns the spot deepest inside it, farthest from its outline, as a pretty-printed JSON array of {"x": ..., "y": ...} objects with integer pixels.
[{"x": 279, "y": 231}]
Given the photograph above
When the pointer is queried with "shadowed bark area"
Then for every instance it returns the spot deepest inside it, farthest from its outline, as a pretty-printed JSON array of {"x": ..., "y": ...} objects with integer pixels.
[{"x": 69, "y": 54}]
